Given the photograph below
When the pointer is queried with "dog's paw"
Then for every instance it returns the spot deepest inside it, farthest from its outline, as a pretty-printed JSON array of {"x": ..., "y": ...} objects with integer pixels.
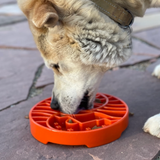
[
  {"x": 152, "y": 126},
  {"x": 156, "y": 72}
]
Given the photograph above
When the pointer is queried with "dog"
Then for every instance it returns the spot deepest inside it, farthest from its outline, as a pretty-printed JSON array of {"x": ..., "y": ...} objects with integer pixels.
[{"x": 80, "y": 43}]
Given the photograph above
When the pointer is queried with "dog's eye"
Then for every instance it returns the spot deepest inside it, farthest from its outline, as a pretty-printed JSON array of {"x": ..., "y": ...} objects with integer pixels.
[
  {"x": 54, "y": 66},
  {"x": 90, "y": 22}
]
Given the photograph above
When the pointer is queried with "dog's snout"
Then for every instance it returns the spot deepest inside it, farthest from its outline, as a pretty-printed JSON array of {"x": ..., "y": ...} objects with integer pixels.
[
  {"x": 54, "y": 104},
  {"x": 84, "y": 102}
]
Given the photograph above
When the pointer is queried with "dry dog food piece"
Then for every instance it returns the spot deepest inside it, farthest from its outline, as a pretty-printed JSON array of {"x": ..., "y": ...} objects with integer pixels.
[
  {"x": 131, "y": 114},
  {"x": 96, "y": 127},
  {"x": 97, "y": 101},
  {"x": 70, "y": 121},
  {"x": 26, "y": 117}
]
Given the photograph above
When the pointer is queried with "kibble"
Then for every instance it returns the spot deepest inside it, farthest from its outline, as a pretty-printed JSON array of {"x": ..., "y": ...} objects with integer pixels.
[
  {"x": 97, "y": 101},
  {"x": 70, "y": 121},
  {"x": 131, "y": 114},
  {"x": 96, "y": 127},
  {"x": 26, "y": 117},
  {"x": 62, "y": 115}
]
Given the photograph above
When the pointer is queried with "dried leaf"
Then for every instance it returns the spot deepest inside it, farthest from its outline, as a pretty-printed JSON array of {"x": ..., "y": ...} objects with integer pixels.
[{"x": 94, "y": 157}]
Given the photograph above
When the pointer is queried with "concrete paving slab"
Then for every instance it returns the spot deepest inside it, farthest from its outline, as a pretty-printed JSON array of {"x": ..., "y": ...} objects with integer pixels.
[
  {"x": 134, "y": 59},
  {"x": 10, "y": 9},
  {"x": 5, "y": 20},
  {"x": 10, "y": 13},
  {"x": 152, "y": 10},
  {"x": 138, "y": 89},
  {"x": 47, "y": 77},
  {"x": 2, "y": 2},
  {"x": 149, "y": 21},
  {"x": 151, "y": 67},
  {"x": 17, "y": 72},
  {"x": 141, "y": 52},
  {"x": 17, "y": 35},
  {"x": 151, "y": 36}
]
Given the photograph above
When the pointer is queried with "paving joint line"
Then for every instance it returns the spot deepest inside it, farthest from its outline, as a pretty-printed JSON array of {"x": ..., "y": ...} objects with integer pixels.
[
  {"x": 45, "y": 85},
  {"x": 37, "y": 75},
  {"x": 148, "y": 43},
  {"x": 144, "y": 61},
  {"x": 141, "y": 66},
  {"x": 17, "y": 48},
  {"x": 7, "y": 3},
  {"x": 13, "y": 22}
]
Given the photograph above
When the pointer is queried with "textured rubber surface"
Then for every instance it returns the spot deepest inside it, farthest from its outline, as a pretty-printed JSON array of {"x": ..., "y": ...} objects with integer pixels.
[{"x": 100, "y": 125}]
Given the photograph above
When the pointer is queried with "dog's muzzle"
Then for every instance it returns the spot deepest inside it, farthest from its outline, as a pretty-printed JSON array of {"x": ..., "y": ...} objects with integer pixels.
[{"x": 83, "y": 105}]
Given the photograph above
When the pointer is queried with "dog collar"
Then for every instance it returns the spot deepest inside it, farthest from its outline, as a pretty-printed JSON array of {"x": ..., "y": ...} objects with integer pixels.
[{"x": 115, "y": 12}]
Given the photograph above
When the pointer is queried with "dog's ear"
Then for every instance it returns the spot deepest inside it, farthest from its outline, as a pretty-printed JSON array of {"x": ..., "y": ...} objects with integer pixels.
[
  {"x": 44, "y": 15},
  {"x": 41, "y": 13}
]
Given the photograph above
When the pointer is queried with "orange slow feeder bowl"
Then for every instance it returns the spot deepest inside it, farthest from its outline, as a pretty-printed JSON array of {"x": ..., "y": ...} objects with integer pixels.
[{"x": 98, "y": 126}]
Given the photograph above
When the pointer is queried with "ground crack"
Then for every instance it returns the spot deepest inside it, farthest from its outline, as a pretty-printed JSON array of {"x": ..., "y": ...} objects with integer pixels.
[
  {"x": 13, "y": 22},
  {"x": 31, "y": 90},
  {"x": 18, "y": 48},
  {"x": 148, "y": 43},
  {"x": 141, "y": 66},
  {"x": 68, "y": 156}
]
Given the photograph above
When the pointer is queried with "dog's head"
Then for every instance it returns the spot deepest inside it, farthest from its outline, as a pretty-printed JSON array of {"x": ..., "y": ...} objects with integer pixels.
[{"x": 79, "y": 43}]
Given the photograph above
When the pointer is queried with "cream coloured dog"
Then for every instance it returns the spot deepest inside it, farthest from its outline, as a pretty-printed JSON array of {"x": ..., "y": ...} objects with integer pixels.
[{"x": 80, "y": 43}]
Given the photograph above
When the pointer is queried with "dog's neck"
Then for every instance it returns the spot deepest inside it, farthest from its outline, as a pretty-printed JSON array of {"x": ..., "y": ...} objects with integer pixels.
[{"x": 116, "y": 12}]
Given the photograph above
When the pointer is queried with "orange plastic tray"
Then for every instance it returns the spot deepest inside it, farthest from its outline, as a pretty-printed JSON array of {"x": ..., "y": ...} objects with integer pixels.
[{"x": 98, "y": 126}]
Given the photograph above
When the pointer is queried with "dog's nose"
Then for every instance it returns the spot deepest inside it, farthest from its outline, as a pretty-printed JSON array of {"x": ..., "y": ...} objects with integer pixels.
[
  {"x": 84, "y": 102},
  {"x": 54, "y": 104}
]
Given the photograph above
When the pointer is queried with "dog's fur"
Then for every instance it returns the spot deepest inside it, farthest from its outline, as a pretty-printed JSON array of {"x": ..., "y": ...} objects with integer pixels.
[{"x": 79, "y": 43}]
